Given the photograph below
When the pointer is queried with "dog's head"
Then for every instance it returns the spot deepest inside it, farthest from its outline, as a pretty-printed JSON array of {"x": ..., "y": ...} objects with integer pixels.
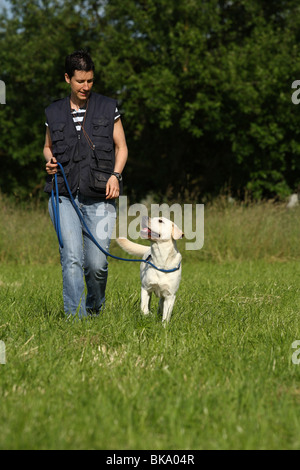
[{"x": 160, "y": 228}]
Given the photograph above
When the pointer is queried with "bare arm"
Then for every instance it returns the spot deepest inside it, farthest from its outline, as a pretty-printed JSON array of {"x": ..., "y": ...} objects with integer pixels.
[
  {"x": 121, "y": 151},
  {"x": 51, "y": 166},
  {"x": 121, "y": 154}
]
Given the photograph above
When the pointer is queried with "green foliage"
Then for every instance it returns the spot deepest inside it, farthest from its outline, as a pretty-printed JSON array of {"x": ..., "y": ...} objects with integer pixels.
[
  {"x": 220, "y": 376},
  {"x": 205, "y": 90},
  {"x": 233, "y": 231}
]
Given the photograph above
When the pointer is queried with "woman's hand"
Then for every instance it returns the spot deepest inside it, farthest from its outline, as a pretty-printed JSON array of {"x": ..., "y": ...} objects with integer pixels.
[
  {"x": 112, "y": 188},
  {"x": 51, "y": 166}
]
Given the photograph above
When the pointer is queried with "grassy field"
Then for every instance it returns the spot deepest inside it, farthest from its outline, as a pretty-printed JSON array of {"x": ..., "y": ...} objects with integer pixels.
[{"x": 220, "y": 376}]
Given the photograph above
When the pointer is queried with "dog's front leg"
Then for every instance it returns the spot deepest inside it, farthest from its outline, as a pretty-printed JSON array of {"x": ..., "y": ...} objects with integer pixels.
[
  {"x": 145, "y": 301},
  {"x": 160, "y": 306},
  {"x": 168, "y": 307}
]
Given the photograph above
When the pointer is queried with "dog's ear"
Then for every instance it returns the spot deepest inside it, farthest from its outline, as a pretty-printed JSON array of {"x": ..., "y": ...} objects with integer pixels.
[{"x": 176, "y": 232}]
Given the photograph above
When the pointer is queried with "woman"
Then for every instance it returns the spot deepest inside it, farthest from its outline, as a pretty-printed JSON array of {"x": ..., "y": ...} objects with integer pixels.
[{"x": 85, "y": 134}]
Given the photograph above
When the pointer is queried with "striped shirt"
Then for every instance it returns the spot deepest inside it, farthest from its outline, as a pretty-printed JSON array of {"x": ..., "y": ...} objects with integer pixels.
[{"x": 78, "y": 116}]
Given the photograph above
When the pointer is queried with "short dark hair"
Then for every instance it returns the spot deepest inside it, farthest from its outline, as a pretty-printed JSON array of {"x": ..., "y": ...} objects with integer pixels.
[{"x": 78, "y": 60}]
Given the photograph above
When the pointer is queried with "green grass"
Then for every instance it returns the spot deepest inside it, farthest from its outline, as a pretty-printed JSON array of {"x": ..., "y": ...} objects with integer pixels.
[{"x": 219, "y": 376}]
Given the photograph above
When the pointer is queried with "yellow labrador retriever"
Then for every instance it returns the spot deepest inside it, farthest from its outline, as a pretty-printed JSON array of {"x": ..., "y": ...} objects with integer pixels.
[{"x": 164, "y": 254}]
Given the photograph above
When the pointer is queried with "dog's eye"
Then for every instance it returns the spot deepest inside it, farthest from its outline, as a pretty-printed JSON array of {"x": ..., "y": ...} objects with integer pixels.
[{"x": 160, "y": 221}]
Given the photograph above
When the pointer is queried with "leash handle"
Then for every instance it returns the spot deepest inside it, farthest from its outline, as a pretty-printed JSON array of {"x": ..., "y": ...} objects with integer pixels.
[{"x": 55, "y": 205}]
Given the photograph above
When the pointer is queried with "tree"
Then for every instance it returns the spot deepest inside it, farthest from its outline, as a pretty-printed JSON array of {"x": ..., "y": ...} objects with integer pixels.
[
  {"x": 208, "y": 92},
  {"x": 34, "y": 39},
  {"x": 204, "y": 86}
]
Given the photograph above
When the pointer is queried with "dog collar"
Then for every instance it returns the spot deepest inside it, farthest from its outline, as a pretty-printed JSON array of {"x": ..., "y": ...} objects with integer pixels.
[{"x": 171, "y": 270}]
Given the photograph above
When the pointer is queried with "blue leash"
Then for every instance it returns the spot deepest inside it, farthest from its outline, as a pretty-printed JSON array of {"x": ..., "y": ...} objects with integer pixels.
[{"x": 55, "y": 206}]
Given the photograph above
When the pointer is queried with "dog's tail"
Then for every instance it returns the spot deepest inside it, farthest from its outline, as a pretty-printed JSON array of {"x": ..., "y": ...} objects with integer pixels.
[{"x": 131, "y": 247}]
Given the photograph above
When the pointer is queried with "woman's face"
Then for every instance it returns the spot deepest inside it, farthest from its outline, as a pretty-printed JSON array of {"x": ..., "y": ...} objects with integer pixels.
[{"x": 81, "y": 84}]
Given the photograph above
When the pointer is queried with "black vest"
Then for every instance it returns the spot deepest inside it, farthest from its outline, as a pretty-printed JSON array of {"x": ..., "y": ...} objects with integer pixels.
[{"x": 87, "y": 165}]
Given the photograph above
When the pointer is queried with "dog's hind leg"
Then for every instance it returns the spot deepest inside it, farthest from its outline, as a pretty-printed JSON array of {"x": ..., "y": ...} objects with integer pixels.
[
  {"x": 168, "y": 307},
  {"x": 145, "y": 301}
]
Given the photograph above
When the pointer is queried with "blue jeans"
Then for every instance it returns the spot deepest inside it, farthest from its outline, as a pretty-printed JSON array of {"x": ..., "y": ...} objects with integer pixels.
[{"x": 80, "y": 259}]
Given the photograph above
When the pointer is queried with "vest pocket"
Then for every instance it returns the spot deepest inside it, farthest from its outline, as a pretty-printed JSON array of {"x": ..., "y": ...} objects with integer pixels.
[
  {"x": 98, "y": 180},
  {"x": 57, "y": 131},
  {"x": 101, "y": 127},
  {"x": 60, "y": 152},
  {"x": 59, "y": 146},
  {"x": 103, "y": 155}
]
